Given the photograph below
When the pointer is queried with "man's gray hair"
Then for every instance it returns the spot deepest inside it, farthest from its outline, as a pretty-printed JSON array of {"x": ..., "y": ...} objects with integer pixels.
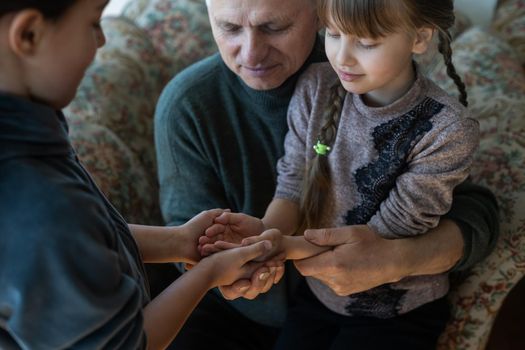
[{"x": 209, "y": 1}]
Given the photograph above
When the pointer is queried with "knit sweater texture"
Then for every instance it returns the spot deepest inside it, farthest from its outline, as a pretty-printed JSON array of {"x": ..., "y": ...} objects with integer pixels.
[{"x": 393, "y": 168}]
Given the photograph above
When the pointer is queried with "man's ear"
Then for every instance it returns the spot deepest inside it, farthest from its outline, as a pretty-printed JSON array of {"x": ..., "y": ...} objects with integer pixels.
[
  {"x": 422, "y": 40},
  {"x": 26, "y": 31}
]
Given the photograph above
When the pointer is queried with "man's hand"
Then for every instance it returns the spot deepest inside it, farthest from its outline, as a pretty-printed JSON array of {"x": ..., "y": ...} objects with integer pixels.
[{"x": 360, "y": 259}]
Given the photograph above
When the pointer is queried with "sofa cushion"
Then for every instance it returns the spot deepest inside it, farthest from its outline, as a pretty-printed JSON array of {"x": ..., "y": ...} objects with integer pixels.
[
  {"x": 121, "y": 88},
  {"x": 111, "y": 120},
  {"x": 494, "y": 79},
  {"x": 499, "y": 166},
  {"x": 179, "y": 30},
  {"x": 509, "y": 23},
  {"x": 116, "y": 171}
]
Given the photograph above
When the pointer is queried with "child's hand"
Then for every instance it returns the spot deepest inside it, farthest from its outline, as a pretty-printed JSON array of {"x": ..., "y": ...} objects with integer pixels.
[
  {"x": 229, "y": 266},
  {"x": 230, "y": 228},
  {"x": 276, "y": 253},
  {"x": 190, "y": 232}
]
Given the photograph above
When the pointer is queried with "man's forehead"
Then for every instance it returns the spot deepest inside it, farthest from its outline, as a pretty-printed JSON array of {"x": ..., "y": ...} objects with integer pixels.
[
  {"x": 257, "y": 12},
  {"x": 255, "y": 4}
]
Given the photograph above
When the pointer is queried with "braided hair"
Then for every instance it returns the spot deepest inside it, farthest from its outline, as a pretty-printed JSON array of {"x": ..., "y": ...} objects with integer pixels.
[
  {"x": 369, "y": 19},
  {"x": 317, "y": 174}
]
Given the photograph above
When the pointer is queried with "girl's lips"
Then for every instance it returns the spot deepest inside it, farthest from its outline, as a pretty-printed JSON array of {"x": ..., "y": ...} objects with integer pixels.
[{"x": 348, "y": 76}]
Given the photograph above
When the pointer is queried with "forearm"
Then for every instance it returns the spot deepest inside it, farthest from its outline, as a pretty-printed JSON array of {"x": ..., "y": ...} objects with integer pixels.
[
  {"x": 165, "y": 315},
  {"x": 297, "y": 248},
  {"x": 475, "y": 211},
  {"x": 283, "y": 215},
  {"x": 435, "y": 252},
  {"x": 158, "y": 244}
]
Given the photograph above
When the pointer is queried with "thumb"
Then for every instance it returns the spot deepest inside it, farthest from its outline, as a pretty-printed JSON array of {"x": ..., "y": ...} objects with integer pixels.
[
  {"x": 254, "y": 251},
  {"x": 330, "y": 236}
]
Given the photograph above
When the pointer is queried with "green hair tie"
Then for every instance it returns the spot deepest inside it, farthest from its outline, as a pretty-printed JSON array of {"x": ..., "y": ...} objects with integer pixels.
[{"x": 321, "y": 149}]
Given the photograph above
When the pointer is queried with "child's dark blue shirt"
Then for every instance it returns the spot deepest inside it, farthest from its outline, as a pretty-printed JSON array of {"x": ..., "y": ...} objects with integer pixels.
[{"x": 70, "y": 271}]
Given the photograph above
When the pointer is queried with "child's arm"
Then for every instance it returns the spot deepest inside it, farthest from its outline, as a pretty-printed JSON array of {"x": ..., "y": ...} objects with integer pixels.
[
  {"x": 283, "y": 215},
  {"x": 173, "y": 244},
  {"x": 232, "y": 228},
  {"x": 284, "y": 247},
  {"x": 165, "y": 315}
]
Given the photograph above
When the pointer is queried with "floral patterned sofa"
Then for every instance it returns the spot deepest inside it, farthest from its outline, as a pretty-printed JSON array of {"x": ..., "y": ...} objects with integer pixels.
[{"x": 111, "y": 128}]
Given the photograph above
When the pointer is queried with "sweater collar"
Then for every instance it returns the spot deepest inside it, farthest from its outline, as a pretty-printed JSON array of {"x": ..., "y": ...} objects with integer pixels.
[
  {"x": 31, "y": 129},
  {"x": 403, "y": 105}
]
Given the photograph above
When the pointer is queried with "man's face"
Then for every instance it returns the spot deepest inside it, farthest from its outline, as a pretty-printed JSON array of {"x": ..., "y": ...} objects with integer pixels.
[{"x": 264, "y": 41}]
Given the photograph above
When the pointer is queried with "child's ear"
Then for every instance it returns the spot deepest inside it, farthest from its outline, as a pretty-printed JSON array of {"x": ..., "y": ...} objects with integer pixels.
[
  {"x": 25, "y": 32},
  {"x": 422, "y": 40}
]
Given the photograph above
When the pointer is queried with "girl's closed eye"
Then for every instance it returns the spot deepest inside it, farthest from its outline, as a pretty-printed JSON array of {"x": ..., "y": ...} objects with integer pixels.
[
  {"x": 332, "y": 33},
  {"x": 367, "y": 44}
]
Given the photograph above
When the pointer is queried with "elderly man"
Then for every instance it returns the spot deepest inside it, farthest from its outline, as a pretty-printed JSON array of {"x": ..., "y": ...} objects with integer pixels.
[{"x": 220, "y": 128}]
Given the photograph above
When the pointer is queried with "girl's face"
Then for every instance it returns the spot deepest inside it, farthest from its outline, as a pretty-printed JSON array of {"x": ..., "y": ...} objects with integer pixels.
[
  {"x": 68, "y": 47},
  {"x": 379, "y": 69}
]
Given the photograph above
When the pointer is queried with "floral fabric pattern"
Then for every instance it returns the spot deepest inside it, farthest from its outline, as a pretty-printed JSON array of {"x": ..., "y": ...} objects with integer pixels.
[
  {"x": 111, "y": 123},
  {"x": 509, "y": 23}
]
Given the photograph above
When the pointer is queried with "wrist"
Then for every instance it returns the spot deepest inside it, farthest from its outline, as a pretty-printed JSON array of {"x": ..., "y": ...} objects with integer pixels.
[
  {"x": 405, "y": 265},
  {"x": 204, "y": 270}
]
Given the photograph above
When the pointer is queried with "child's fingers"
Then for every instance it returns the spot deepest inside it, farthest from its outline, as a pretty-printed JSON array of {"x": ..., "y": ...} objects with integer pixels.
[
  {"x": 223, "y": 245},
  {"x": 253, "y": 251},
  {"x": 277, "y": 260},
  {"x": 251, "y": 240},
  {"x": 215, "y": 229},
  {"x": 228, "y": 218},
  {"x": 279, "y": 273},
  {"x": 209, "y": 249},
  {"x": 209, "y": 240},
  {"x": 271, "y": 234}
]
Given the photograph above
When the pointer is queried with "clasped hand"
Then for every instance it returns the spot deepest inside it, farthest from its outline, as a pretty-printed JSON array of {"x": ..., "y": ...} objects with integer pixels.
[{"x": 231, "y": 230}]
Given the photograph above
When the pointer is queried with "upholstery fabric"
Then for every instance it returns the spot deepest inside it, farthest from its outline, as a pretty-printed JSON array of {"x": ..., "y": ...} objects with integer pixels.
[{"x": 111, "y": 128}]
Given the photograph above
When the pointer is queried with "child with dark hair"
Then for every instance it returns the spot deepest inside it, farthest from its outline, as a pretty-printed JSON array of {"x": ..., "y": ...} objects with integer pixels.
[
  {"x": 71, "y": 268},
  {"x": 372, "y": 144}
]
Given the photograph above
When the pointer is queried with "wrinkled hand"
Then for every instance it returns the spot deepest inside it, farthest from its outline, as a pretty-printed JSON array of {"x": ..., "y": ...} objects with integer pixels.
[
  {"x": 360, "y": 259},
  {"x": 231, "y": 228}
]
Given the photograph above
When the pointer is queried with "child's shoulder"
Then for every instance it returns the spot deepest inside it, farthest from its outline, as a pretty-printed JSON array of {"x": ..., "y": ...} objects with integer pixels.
[
  {"x": 39, "y": 202},
  {"x": 453, "y": 116},
  {"x": 451, "y": 104}
]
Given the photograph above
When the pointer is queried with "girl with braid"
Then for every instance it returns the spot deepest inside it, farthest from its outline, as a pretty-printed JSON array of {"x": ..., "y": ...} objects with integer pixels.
[{"x": 371, "y": 142}]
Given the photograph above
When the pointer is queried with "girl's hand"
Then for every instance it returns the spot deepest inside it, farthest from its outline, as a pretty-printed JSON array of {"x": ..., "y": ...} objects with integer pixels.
[
  {"x": 275, "y": 236},
  {"x": 231, "y": 228}
]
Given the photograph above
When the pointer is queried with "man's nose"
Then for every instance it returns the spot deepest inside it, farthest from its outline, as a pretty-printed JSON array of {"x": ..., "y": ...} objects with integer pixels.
[{"x": 254, "y": 48}]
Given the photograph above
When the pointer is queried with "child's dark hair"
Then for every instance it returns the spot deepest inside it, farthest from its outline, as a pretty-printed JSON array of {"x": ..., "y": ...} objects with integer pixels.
[
  {"x": 51, "y": 9},
  {"x": 370, "y": 19}
]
